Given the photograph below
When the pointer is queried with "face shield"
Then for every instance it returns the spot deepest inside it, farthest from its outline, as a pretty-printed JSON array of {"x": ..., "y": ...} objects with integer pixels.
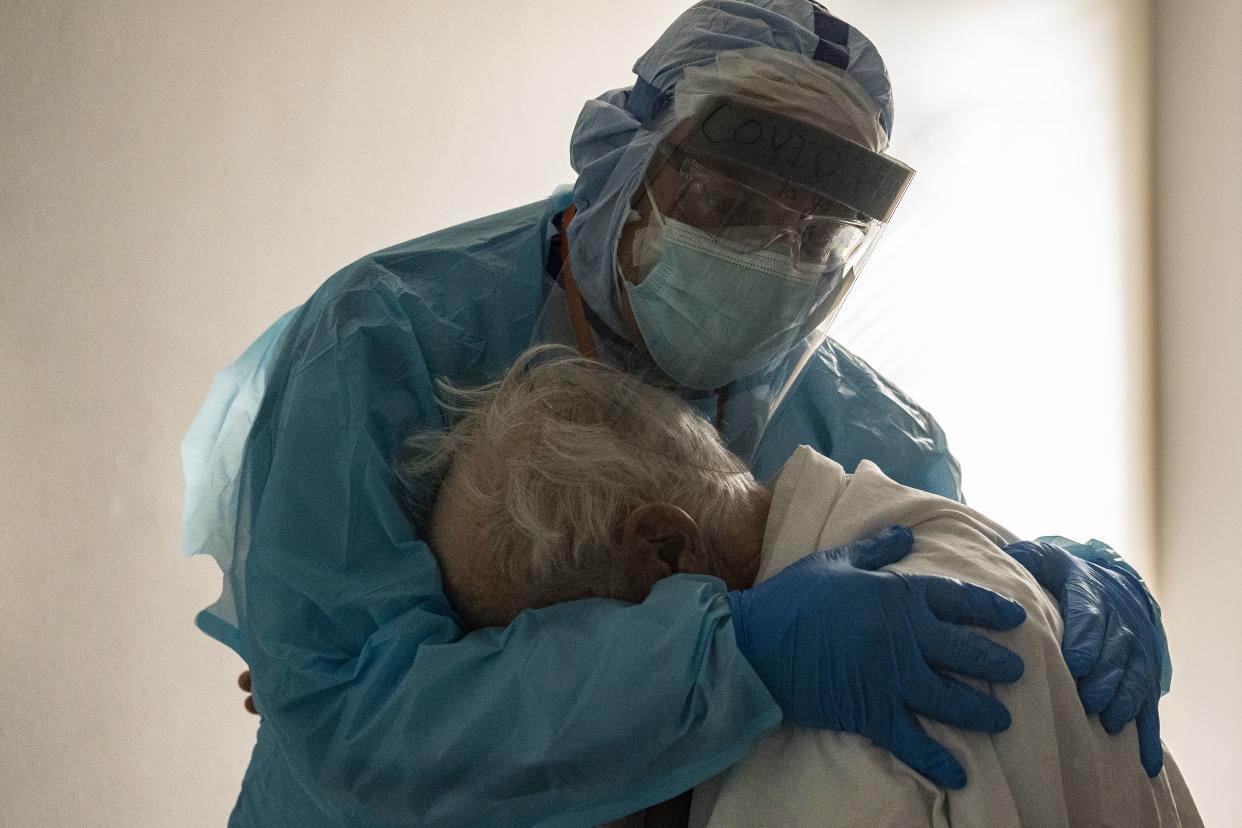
[{"x": 757, "y": 212}]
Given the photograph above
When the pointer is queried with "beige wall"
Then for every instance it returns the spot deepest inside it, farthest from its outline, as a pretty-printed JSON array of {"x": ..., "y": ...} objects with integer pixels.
[
  {"x": 1198, "y": 50},
  {"x": 175, "y": 175}
]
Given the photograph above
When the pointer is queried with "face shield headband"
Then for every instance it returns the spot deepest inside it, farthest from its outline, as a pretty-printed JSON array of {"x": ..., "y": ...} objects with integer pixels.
[{"x": 732, "y": 134}]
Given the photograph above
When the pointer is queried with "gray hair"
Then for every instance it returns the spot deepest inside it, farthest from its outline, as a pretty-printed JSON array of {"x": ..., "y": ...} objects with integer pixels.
[{"x": 570, "y": 446}]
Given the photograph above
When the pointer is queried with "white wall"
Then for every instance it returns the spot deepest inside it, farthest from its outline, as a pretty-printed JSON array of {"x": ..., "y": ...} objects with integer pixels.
[
  {"x": 174, "y": 176},
  {"x": 177, "y": 174},
  {"x": 1198, "y": 49},
  {"x": 1010, "y": 293}
]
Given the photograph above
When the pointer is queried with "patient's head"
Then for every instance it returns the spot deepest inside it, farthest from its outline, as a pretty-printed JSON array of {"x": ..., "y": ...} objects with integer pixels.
[{"x": 568, "y": 479}]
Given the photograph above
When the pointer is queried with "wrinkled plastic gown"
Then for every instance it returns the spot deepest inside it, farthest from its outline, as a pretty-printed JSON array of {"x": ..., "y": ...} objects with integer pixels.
[{"x": 376, "y": 709}]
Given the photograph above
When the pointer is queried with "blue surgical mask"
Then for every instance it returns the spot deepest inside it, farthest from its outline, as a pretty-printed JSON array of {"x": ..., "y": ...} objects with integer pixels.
[{"x": 710, "y": 315}]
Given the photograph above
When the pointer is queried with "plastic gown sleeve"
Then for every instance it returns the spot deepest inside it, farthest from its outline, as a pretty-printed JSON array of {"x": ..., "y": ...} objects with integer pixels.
[
  {"x": 846, "y": 410},
  {"x": 384, "y": 712}
]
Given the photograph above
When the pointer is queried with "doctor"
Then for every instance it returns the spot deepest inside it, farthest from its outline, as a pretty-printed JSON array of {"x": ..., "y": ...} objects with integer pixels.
[{"x": 724, "y": 206}]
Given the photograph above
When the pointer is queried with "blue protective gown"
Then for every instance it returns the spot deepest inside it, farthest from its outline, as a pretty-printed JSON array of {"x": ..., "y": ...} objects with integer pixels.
[{"x": 376, "y": 709}]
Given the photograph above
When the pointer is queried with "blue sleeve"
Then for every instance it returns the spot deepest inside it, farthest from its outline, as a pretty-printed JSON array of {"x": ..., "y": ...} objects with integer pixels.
[
  {"x": 843, "y": 408},
  {"x": 379, "y": 707},
  {"x": 1098, "y": 552}
]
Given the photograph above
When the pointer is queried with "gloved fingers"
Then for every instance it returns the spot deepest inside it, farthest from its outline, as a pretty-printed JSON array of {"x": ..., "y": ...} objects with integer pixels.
[
  {"x": 957, "y": 602},
  {"x": 243, "y": 681},
  {"x": 956, "y": 703},
  {"x": 888, "y": 547},
  {"x": 1097, "y": 688},
  {"x": 946, "y": 647},
  {"x": 1151, "y": 752},
  {"x": 1042, "y": 561},
  {"x": 1086, "y": 629},
  {"x": 912, "y": 745},
  {"x": 1131, "y": 693}
]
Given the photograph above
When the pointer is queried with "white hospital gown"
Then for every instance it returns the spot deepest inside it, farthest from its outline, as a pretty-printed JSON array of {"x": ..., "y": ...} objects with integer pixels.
[{"x": 1054, "y": 766}]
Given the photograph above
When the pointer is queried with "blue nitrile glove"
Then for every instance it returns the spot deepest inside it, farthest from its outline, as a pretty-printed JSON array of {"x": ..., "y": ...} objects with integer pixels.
[
  {"x": 1110, "y": 641},
  {"x": 844, "y": 647}
]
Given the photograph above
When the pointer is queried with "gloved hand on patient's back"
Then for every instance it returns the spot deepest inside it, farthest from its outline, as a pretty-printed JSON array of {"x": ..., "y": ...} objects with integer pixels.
[
  {"x": 845, "y": 647},
  {"x": 1110, "y": 642}
]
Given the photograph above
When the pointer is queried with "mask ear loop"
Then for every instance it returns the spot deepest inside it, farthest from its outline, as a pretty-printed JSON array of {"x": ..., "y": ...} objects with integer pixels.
[
  {"x": 657, "y": 231},
  {"x": 656, "y": 215}
]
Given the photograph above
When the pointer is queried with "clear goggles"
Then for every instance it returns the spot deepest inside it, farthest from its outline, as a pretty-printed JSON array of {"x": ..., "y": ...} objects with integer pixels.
[{"x": 816, "y": 233}]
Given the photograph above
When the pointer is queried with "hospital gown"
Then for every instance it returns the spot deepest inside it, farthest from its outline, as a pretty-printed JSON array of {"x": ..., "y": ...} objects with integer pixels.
[{"x": 1054, "y": 766}]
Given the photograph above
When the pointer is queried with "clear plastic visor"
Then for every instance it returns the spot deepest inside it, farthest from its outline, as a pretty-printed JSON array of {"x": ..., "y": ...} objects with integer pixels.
[
  {"x": 750, "y": 212},
  {"x": 759, "y": 207}
]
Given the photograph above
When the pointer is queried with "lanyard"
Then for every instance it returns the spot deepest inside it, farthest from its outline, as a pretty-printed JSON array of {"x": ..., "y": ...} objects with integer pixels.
[
  {"x": 583, "y": 337},
  {"x": 573, "y": 296}
]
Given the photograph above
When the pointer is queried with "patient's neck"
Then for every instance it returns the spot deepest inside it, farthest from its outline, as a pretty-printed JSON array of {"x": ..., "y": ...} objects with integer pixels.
[{"x": 735, "y": 551}]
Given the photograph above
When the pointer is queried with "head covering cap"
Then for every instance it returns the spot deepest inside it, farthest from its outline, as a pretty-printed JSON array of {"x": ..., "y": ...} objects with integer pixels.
[{"x": 615, "y": 136}]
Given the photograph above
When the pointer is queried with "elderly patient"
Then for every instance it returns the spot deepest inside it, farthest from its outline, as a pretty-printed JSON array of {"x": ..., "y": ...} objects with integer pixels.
[{"x": 569, "y": 480}]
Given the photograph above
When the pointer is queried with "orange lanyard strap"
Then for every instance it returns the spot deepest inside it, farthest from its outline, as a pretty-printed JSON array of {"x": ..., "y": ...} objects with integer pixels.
[
  {"x": 577, "y": 314},
  {"x": 573, "y": 296}
]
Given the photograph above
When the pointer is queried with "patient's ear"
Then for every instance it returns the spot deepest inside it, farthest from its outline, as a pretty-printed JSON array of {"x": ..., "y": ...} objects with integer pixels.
[{"x": 661, "y": 538}]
